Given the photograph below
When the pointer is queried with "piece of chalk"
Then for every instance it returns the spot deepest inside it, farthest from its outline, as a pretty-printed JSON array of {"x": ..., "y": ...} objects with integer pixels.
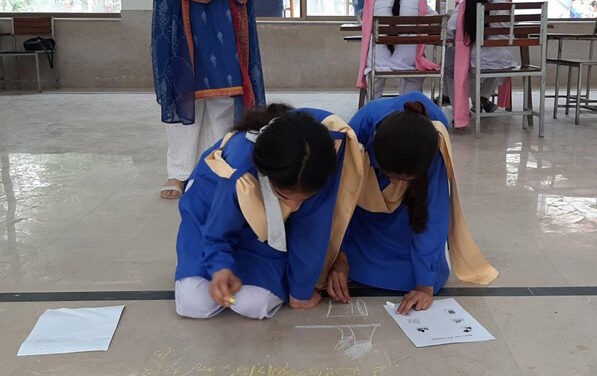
[
  {"x": 388, "y": 303},
  {"x": 231, "y": 300}
]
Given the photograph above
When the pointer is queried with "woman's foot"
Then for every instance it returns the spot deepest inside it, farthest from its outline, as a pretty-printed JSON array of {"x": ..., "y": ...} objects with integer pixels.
[
  {"x": 487, "y": 105},
  {"x": 445, "y": 100},
  {"x": 172, "y": 189}
]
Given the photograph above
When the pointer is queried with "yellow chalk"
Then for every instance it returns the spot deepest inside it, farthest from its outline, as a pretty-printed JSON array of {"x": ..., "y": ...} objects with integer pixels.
[{"x": 231, "y": 300}]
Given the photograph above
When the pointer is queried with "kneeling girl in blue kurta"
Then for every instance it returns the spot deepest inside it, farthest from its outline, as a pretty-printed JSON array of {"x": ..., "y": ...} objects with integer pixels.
[
  {"x": 261, "y": 213},
  {"x": 409, "y": 207}
]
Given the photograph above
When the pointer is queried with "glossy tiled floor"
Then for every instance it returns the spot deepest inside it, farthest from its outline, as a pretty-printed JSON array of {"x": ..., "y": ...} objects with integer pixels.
[{"x": 80, "y": 211}]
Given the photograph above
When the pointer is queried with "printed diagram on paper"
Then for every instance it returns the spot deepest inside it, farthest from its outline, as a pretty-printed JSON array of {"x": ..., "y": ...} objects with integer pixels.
[{"x": 444, "y": 322}]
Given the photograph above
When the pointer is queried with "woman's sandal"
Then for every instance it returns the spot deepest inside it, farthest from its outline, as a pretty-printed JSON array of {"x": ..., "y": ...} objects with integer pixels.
[{"x": 169, "y": 188}]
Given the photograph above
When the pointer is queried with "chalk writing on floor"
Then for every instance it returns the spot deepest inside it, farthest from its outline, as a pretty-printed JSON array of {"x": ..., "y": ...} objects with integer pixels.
[{"x": 164, "y": 362}]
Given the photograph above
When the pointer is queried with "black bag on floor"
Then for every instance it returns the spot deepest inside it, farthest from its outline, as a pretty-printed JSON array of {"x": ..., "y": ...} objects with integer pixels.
[{"x": 42, "y": 44}]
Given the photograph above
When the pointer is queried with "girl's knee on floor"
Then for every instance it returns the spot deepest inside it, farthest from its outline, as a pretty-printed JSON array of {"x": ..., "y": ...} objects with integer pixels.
[
  {"x": 193, "y": 299},
  {"x": 256, "y": 302}
]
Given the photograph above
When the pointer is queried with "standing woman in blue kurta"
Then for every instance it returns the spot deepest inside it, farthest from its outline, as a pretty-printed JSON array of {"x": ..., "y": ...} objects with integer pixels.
[
  {"x": 207, "y": 71},
  {"x": 262, "y": 212},
  {"x": 409, "y": 207}
]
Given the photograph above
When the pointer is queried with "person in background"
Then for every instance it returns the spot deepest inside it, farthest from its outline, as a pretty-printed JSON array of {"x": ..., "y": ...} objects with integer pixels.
[
  {"x": 491, "y": 57},
  {"x": 207, "y": 71},
  {"x": 357, "y": 6},
  {"x": 581, "y": 9},
  {"x": 397, "y": 57},
  {"x": 269, "y": 8}
]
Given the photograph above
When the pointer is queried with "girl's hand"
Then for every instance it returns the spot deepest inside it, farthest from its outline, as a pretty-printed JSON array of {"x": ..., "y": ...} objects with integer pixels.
[
  {"x": 419, "y": 299},
  {"x": 224, "y": 285},
  {"x": 305, "y": 304},
  {"x": 337, "y": 284}
]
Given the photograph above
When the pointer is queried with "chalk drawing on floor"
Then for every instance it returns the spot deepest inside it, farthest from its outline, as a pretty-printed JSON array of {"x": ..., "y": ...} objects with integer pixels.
[
  {"x": 356, "y": 308},
  {"x": 355, "y": 340}
]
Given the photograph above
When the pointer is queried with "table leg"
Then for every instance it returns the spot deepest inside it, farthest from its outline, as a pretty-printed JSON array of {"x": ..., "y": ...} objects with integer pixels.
[
  {"x": 557, "y": 88},
  {"x": 578, "y": 94},
  {"x": 568, "y": 90},
  {"x": 525, "y": 100},
  {"x": 589, "y": 68}
]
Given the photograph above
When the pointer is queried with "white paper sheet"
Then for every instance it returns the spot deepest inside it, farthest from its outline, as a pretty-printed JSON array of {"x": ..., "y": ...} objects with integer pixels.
[
  {"x": 444, "y": 322},
  {"x": 65, "y": 330}
]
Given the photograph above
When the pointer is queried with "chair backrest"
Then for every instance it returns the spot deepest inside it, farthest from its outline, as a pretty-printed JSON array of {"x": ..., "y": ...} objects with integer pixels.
[
  {"x": 529, "y": 29},
  {"x": 33, "y": 26},
  {"x": 410, "y": 30}
]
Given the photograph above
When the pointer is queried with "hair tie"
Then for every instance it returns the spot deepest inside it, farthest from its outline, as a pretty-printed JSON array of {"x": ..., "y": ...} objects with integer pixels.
[
  {"x": 262, "y": 129},
  {"x": 416, "y": 107}
]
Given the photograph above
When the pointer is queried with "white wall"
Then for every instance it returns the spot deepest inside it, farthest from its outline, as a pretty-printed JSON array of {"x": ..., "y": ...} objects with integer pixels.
[{"x": 137, "y": 4}]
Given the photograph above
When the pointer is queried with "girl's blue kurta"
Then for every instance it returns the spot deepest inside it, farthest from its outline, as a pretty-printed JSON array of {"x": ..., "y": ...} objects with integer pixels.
[
  {"x": 195, "y": 56},
  {"x": 381, "y": 248},
  {"x": 214, "y": 234}
]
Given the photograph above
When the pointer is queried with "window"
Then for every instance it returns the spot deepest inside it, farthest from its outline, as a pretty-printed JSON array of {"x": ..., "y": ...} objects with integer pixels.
[
  {"x": 344, "y": 8},
  {"x": 570, "y": 8},
  {"x": 61, "y": 6},
  {"x": 330, "y": 7}
]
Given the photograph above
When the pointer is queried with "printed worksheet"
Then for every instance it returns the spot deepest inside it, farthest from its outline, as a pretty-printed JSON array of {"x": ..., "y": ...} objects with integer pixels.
[{"x": 444, "y": 322}]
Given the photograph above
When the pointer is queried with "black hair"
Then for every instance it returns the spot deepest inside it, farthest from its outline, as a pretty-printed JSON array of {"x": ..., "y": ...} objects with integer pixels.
[
  {"x": 406, "y": 142},
  {"x": 295, "y": 151},
  {"x": 258, "y": 117},
  {"x": 395, "y": 12},
  {"x": 470, "y": 20}
]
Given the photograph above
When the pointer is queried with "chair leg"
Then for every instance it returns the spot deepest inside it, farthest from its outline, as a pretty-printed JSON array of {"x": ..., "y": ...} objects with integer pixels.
[
  {"x": 19, "y": 83},
  {"x": 37, "y": 72},
  {"x": 440, "y": 96},
  {"x": 557, "y": 92},
  {"x": 530, "y": 101},
  {"x": 3, "y": 73},
  {"x": 578, "y": 95},
  {"x": 509, "y": 108},
  {"x": 525, "y": 101},
  {"x": 432, "y": 90},
  {"x": 362, "y": 95},
  {"x": 477, "y": 106},
  {"x": 588, "y": 89},
  {"x": 370, "y": 88},
  {"x": 56, "y": 71},
  {"x": 530, "y": 117},
  {"x": 568, "y": 90},
  {"x": 541, "y": 105}
]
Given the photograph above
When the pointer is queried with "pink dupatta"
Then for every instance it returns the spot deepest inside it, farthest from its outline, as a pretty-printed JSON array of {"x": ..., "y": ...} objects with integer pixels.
[
  {"x": 462, "y": 63},
  {"x": 421, "y": 63}
]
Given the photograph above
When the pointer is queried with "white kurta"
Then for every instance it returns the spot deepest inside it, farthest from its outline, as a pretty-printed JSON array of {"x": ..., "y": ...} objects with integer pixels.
[
  {"x": 491, "y": 58},
  {"x": 404, "y": 56}
]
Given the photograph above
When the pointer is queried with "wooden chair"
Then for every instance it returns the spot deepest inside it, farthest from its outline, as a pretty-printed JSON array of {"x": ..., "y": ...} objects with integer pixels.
[
  {"x": 32, "y": 27},
  {"x": 428, "y": 30},
  {"x": 523, "y": 30}
]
